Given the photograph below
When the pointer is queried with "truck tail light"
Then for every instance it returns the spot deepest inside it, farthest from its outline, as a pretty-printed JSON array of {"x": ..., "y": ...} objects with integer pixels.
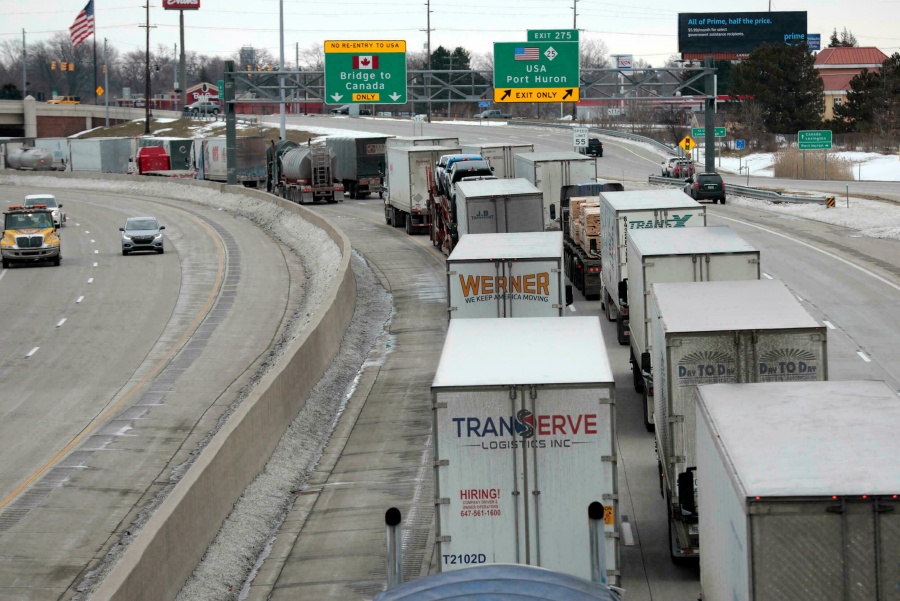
[
  {"x": 339, "y": 187},
  {"x": 723, "y": 185},
  {"x": 307, "y": 189},
  {"x": 697, "y": 186}
]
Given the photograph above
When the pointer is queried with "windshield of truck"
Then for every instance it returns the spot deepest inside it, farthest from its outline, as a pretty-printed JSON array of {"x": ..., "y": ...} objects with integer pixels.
[{"x": 24, "y": 221}]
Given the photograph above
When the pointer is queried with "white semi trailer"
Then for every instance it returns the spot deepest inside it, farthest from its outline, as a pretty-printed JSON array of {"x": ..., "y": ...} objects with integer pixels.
[
  {"x": 501, "y": 156},
  {"x": 799, "y": 491},
  {"x": 718, "y": 332},
  {"x": 696, "y": 254},
  {"x": 549, "y": 172},
  {"x": 525, "y": 440}
]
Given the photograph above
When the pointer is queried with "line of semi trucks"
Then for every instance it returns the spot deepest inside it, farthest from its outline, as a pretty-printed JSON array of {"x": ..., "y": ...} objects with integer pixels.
[{"x": 782, "y": 484}]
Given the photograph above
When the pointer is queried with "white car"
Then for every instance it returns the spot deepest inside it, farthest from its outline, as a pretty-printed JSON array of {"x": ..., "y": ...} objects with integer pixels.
[{"x": 59, "y": 216}]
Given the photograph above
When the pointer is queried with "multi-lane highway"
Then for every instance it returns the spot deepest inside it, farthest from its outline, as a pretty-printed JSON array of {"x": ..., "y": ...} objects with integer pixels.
[{"x": 137, "y": 356}]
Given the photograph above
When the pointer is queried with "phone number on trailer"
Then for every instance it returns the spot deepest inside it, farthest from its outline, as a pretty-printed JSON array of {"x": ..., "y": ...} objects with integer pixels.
[{"x": 479, "y": 513}]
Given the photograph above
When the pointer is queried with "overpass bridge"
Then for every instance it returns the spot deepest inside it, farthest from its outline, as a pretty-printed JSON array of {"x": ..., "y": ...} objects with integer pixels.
[{"x": 32, "y": 119}]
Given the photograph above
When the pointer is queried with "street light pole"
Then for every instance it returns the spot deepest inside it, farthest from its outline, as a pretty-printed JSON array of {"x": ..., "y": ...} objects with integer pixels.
[
  {"x": 147, "y": 75},
  {"x": 281, "y": 66}
]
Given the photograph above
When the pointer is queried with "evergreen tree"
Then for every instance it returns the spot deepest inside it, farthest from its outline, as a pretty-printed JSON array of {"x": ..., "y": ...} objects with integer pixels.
[
  {"x": 866, "y": 100},
  {"x": 784, "y": 81}
]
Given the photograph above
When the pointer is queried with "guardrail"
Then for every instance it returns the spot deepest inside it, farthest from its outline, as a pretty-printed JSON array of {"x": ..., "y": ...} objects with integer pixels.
[
  {"x": 746, "y": 191},
  {"x": 605, "y": 132}
]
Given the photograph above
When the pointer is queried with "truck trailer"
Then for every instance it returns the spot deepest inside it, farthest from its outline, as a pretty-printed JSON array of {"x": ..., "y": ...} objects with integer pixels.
[
  {"x": 421, "y": 141},
  {"x": 497, "y": 206},
  {"x": 359, "y": 163},
  {"x": 622, "y": 213},
  {"x": 100, "y": 155},
  {"x": 799, "y": 492},
  {"x": 500, "y": 156},
  {"x": 410, "y": 185},
  {"x": 713, "y": 333},
  {"x": 550, "y": 171},
  {"x": 250, "y": 160},
  {"x": 525, "y": 440},
  {"x": 506, "y": 275},
  {"x": 655, "y": 256},
  {"x": 306, "y": 174}
]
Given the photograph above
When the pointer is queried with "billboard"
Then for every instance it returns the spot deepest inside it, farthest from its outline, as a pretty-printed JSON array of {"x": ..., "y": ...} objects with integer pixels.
[
  {"x": 181, "y": 4},
  {"x": 738, "y": 32}
]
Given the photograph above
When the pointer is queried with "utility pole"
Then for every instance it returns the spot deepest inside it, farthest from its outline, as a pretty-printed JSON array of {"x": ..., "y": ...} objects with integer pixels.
[
  {"x": 182, "y": 67},
  {"x": 106, "y": 82},
  {"x": 147, "y": 74},
  {"x": 281, "y": 65},
  {"x": 575, "y": 14},
  {"x": 24, "y": 68},
  {"x": 428, "y": 31},
  {"x": 174, "y": 74}
]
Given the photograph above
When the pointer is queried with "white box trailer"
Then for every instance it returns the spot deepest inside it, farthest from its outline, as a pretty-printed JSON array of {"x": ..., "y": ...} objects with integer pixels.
[
  {"x": 421, "y": 141},
  {"x": 408, "y": 181},
  {"x": 622, "y": 213},
  {"x": 697, "y": 254},
  {"x": 713, "y": 333},
  {"x": 799, "y": 492},
  {"x": 525, "y": 439},
  {"x": 100, "y": 155},
  {"x": 60, "y": 149},
  {"x": 550, "y": 171},
  {"x": 497, "y": 206},
  {"x": 500, "y": 156},
  {"x": 506, "y": 275}
]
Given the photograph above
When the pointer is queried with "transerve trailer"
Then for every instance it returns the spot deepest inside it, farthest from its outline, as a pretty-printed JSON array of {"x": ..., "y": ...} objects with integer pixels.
[
  {"x": 506, "y": 275},
  {"x": 655, "y": 256},
  {"x": 359, "y": 163},
  {"x": 100, "y": 155},
  {"x": 422, "y": 141},
  {"x": 712, "y": 333},
  {"x": 496, "y": 206},
  {"x": 799, "y": 491},
  {"x": 624, "y": 212},
  {"x": 550, "y": 171},
  {"x": 410, "y": 184},
  {"x": 525, "y": 439},
  {"x": 500, "y": 156}
]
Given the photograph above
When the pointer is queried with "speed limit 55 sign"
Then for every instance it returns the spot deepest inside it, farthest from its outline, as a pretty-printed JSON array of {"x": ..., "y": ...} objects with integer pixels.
[{"x": 580, "y": 139}]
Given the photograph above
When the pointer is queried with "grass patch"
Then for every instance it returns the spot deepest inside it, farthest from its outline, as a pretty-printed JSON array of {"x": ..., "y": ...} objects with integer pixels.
[{"x": 790, "y": 163}]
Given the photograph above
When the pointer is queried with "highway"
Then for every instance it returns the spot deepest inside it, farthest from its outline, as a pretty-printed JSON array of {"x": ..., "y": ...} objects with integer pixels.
[{"x": 114, "y": 368}]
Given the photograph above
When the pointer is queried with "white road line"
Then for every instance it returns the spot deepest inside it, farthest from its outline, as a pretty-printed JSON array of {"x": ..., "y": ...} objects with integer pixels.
[
  {"x": 811, "y": 247},
  {"x": 95, "y": 264},
  {"x": 799, "y": 299},
  {"x": 829, "y": 324},
  {"x": 767, "y": 276},
  {"x": 79, "y": 299},
  {"x": 86, "y": 232},
  {"x": 863, "y": 356},
  {"x": 96, "y": 252},
  {"x": 572, "y": 308},
  {"x": 93, "y": 241},
  {"x": 77, "y": 225},
  {"x": 2, "y": 273},
  {"x": 61, "y": 321},
  {"x": 32, "y": 351},
  {"x": 90, "y": 280}
]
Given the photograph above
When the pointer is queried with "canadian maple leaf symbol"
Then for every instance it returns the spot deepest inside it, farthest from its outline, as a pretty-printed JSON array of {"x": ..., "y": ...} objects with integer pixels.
[{"x": 365, "y": 62}]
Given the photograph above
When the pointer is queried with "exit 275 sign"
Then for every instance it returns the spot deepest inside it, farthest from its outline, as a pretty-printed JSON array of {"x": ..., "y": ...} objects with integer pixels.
[{"x": 365, "y": 71}]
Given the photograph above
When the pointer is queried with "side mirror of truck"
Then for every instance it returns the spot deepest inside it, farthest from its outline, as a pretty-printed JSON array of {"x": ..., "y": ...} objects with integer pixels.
[
  {"x": 623, "y": 290},
  {"x": 553, "y": 212},
  {"x": 686, "y": 491},
  {"x": 570, "y": 298},
  {"x": 645, "y": 363}
]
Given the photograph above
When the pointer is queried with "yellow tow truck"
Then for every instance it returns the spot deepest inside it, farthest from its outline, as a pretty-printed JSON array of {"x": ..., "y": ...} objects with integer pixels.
[{"x": 29, "y": 235}]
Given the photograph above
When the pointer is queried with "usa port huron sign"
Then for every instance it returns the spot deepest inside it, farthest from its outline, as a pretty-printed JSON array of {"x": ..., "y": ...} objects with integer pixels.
[
  {"x": 365, "y": 72},
  {"x": 536, "y": 71}
]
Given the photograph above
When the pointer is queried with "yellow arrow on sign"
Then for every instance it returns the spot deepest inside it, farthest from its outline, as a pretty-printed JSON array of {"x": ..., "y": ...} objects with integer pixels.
[
  {"x": 100, "y": 90},
  {"x": 687, "y": 144}
]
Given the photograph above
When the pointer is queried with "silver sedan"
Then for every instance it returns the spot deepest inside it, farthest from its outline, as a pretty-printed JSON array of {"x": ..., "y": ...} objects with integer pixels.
[{"x": 142, "y": 233}]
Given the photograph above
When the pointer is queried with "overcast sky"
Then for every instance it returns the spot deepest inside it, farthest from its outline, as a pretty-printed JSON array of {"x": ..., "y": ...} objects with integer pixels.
[{"x": 645, "y": 28}]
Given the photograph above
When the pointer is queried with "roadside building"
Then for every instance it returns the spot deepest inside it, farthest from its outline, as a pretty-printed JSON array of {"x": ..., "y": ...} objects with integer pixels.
[{"x": 837, "y": 66}]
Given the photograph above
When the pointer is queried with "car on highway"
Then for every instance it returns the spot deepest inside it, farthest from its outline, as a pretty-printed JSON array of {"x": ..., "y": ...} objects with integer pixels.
[
  {"x": 493, "y": 114},
  {"x": 48, "y": 200},
  {"x": 29, "y": 234},
  {"x": 594, "y": 148},
  {"x": 345, "y": 110},
  {"x": 142, "y": 233},
  {"x": 65, "y": 100},
  {"x": 202, "y": 107},
  {"x": 677, "y": 167},
  {"x": 708, "y": 186}
]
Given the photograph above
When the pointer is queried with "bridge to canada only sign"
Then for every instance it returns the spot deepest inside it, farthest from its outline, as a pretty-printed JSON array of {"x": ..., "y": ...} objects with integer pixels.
[
  {"x": 536, "y": 72},
  {"x": 365, "y": 72}
]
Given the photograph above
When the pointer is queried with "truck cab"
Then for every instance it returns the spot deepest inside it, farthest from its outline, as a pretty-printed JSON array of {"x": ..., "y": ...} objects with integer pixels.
[{"x": 29, "y": 235}]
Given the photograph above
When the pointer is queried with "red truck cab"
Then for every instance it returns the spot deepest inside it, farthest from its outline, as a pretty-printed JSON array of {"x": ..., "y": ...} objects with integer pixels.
[{"x": 151, "y": 158}]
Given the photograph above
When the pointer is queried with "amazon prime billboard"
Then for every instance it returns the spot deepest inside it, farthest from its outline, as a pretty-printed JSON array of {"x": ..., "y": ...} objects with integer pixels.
[{"x": 738, "y": 32}]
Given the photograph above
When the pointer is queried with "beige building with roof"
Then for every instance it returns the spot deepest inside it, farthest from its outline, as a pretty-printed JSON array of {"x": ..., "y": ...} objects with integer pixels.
[{"x": 837, "y": 66}]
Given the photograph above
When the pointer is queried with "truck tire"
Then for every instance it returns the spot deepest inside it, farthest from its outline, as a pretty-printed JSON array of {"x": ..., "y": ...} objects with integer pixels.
[
  {"x": 723, "y": 200},
  {"x": 636, "y": 376},
  {"x": 409, "y": 227},
  {"x": 396, "y": 218},
  {"x": 621, "y": 336},
  {"x": 5, "y": 264},
  {"x": 56, "y": 260}
]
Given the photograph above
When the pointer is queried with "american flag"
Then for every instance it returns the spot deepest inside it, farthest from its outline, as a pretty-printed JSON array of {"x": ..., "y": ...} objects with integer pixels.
[
  {"x": 529, "y": 53},
  {"x": 83, "y": 27}
]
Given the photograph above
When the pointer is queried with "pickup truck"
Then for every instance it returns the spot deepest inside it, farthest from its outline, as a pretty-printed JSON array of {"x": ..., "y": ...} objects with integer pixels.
[{"x": 493, "y": 114}]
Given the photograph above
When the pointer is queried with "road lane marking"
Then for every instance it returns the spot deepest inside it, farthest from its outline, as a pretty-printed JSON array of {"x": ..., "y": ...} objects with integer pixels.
[
  {"x": 95, "y": 264},
  {"x": 86, "y": 232},
  {"x": 2, "y": 273},
  {"x": 829, "y": 324},
  {"x": 90, "y": 280},
  {"x": 96, "y": 252},
  {"x": 32, "y": 351},
  {"x": 93, "y": 241},
  {"x": 767, "y": 276},
  {"x": 572, "y": 308},
  {"x": 799, "y": 299},
  {"x": 152, "y": 373},
  {"x": 863, "y": 356},
  {"x": 61, "y": 321},
  {"x": 79, "y": 299}
]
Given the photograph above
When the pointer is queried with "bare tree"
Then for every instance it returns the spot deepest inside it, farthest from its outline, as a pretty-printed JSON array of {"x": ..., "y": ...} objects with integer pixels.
[
  {"x": 313, "y": 58},
  {"x": 594, "y": 54}
]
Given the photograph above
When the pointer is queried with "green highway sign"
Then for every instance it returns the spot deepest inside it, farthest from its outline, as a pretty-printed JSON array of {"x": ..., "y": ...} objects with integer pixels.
[
  {"x": 536, "y": 72},
  {"x": 221, "y": 89},
  {"x": 365, "y": 72},
  {"x": 814, "y": 139},
  {"x": 700, "y": 132},
  {"x": 552, "y": 35}
]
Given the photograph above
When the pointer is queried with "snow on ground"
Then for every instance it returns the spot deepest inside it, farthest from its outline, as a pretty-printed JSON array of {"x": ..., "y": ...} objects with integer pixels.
[{"x": 868, "y": 166}]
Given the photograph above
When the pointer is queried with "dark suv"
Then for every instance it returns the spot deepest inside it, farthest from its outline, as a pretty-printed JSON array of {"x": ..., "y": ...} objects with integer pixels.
[
  {"x": 708, "y": 186},
  {"x": 594, "y": 148}
]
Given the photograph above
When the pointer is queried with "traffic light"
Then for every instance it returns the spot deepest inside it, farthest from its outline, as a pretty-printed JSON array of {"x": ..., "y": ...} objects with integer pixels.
[
  {"x": 71, "y": 66},
  {"x": 268, "y": 67},
  {"x": 62, "y": 65},
  {"x": 259, "y": 67},
  {"x": 53, "y": 65},
  {"x": 104, "y": 69}
]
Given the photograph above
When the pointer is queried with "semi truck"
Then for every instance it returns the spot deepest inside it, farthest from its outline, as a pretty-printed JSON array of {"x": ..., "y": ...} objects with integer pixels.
[
  {"x": 696, "y": 254},
  {"x": 496, "y": 206},
  {"x": 622, "y": 213},
  {"x": 305, "y": 174},
  {"x": 410, "y": 185},
  {"x": 421, "y": 141},
  {"x": 525, "y": 444},
  {"x": 506, "y": 275},
  {"x": 359, "y": 163},
  {"x": 713, "y": 333},
  {"x": 549, "y": 172},
  {"x": 502, "y": 157},
  {"x": 799, "y": 491},
  {"x": 582, "y": 262},
  {"x": 100, "y": 155},
  {"x": 250, "y": 160}
]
